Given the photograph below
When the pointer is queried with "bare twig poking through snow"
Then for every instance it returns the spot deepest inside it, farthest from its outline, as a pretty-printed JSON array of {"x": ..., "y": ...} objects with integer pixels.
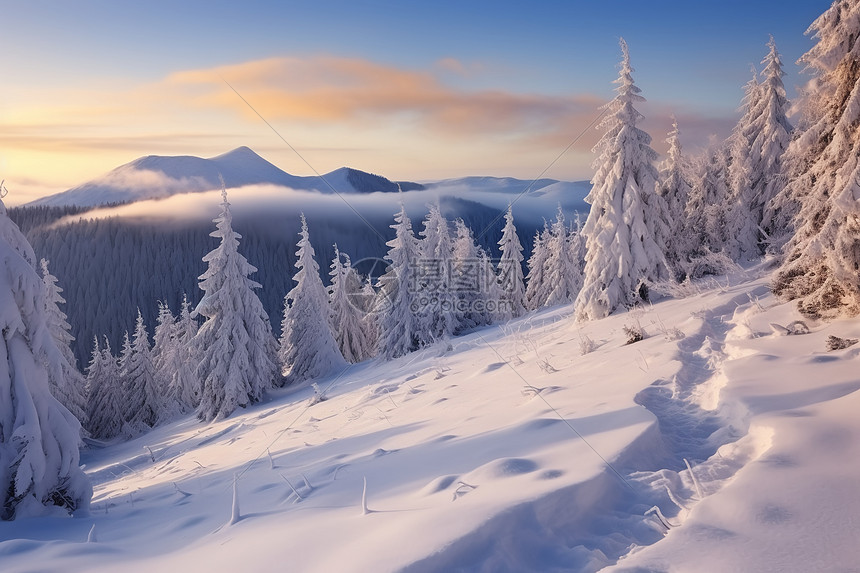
[
  {"x": 151, "y": 455},
  {"x": 271, "y": 459},
  {"x": 695, "y": 480},
  {"x": 836, "y": 343},
  {"x": 531, "y": 391},
  {"x": 180, "y": 491},
  {"x": 307, "y": 483},
  {"x": 546, "y": 366},
  {"x": 364, "y": 510},
  {"x": 462, "y": 489},
  {"x": 235, "y": 516},
  {"x": 289, "y": 483},
  {"x": 91, "y": 537},
  {"x": 674, "y": 499},
  {"x": 663, "y": 521}
]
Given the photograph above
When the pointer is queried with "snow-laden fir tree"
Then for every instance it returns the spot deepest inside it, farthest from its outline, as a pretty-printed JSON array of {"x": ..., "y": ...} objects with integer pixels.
[
  {"x": 562, "y": 274},
  {"x": 622, "y": 232},
  {"x": 143, "y": 392},
  {"x": 368, "y": 302},
  {"x": 308, "y": 348},
  {"x": 347, "y": 314},
  {"x": 743, "y": 237},
  {"x": 434, "y": 278},
  {"x": 707, "y": 209},
  {"x": 511, "y": 278},
  {"x": 466, "y": 279},
  {"x": 39, "y": 437},
  {"x": 399, "y": 328},
  {"x": 820, "y": 269},
  {"x": 490, "y": 309},
  {"x": 536, "y": 285},
  {"x": 163, "y": 340},
  {"x": 576, "y": 247},
  {"x": 105, "y": 412},
  {"x": 674, "y": 187},
  {"x": 183, "y": 387},
  {"x": 69, "y": 388},
  {"x": 235, "y": 347},
  {"x": 771, "y": 143}
]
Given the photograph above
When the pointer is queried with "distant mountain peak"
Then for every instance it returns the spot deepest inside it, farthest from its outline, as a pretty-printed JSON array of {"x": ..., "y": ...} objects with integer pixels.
[{"x": 160, "y": 176}]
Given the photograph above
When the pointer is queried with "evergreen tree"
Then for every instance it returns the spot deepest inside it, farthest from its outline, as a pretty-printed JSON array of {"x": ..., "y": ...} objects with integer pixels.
[
  {"x": 536, "y": 284},
  {"x": 163, "y": 341},
  {"x": 561, "y": 275},
  {"x": 511, "y": 270},
  {"x": 675, "y": 189},
  {"x": 436, "y": 265},
  {"x": 398, "y": 301},
  {"x": 820, "y": 269},
  {"x": 347, "y": 316},
  {"x": 39, "y": 437},
  {"x": 707, "y": 212},
  {"x": 743, "y": 236},
  {"x": 69, "y": 386},
  {"x": 183, "y": 390},
  {"x": 235, "y": 347},
  {"x": 144, "y": 394},
  {"x": 622, "y": 231},
  {"x": 104, "y": 409},
  {"x": 771, "y": 143},
  {"x": 466, "y": 279},
  {"x": 308, "y": 348}
]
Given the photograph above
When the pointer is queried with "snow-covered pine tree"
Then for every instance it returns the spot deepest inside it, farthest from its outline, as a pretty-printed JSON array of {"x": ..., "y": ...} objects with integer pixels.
[
  {"x": 490, "y": 291},
  {"x": 69, "y": 388},
  {"x": 434, "y": 280},
  {"x": 183, "y": 388},
  {"x": 674, "y": 187},
  {"x": 163, "y": 341},
  {"x": 308, "y": 348},
  {"x": 511, "y": 278},
  {"x": 236, "y": 350},
  {"x": 622, "y": 232},
  {"x": 561, "y": 275},
  {"x": 536, "y": 285},
  {"x": 143, "y": 392},
  {"x": 347, "y": 317},
  {"x": 466, "y": 279},
  {"x": 104, "y": 408},
  {"x": 820, "y": 268},
  {"x": 39, "y": 437},
  {"x": 576, "y": 246},
  {"x": 707, "y": 209},
  {"x": 771, "y": 143},
  {"x": 370, "y": 323},
  {"x": 743, "y": 237},
  {"x": 398, "y": 301}
]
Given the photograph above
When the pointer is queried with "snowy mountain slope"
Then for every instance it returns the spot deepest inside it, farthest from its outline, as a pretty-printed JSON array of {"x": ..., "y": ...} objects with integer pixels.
[
  {"x": 488, "y": 454},
  {"x": 157, "y": 177}
]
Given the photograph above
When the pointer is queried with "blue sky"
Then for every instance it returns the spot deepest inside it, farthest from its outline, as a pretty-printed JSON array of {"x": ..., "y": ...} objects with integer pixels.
[{"x": 74, "y": 65}]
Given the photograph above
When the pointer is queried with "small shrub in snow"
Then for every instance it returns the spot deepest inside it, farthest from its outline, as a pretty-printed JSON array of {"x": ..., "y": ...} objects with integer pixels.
[
  {"x": 319, "y": 395},
  {"x": 586, "y": 345},
  {"x": 836, "y": 343},
  {"x": 633, "y": 332},
  {"x": 798, "y": 327}
]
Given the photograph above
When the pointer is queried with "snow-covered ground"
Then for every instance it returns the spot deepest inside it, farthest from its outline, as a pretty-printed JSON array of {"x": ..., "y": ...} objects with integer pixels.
[{"x": 507, "y": 450}]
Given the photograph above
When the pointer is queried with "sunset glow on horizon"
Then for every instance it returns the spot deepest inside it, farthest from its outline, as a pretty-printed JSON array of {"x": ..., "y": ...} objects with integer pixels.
[{"x": 408, "y": 92}]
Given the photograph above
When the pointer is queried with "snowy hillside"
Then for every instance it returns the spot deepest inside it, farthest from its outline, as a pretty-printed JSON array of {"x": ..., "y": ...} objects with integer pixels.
[
  {"x": 157, "y": 177},
  {"x": 498, "y": 451}
]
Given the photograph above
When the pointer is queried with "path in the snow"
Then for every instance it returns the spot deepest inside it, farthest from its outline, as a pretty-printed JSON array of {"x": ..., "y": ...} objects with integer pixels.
[{"x": 594, "y": 524}]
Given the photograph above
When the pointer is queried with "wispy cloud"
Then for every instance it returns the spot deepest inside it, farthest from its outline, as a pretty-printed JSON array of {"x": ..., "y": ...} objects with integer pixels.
[{"x": 323, "y": 89}]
